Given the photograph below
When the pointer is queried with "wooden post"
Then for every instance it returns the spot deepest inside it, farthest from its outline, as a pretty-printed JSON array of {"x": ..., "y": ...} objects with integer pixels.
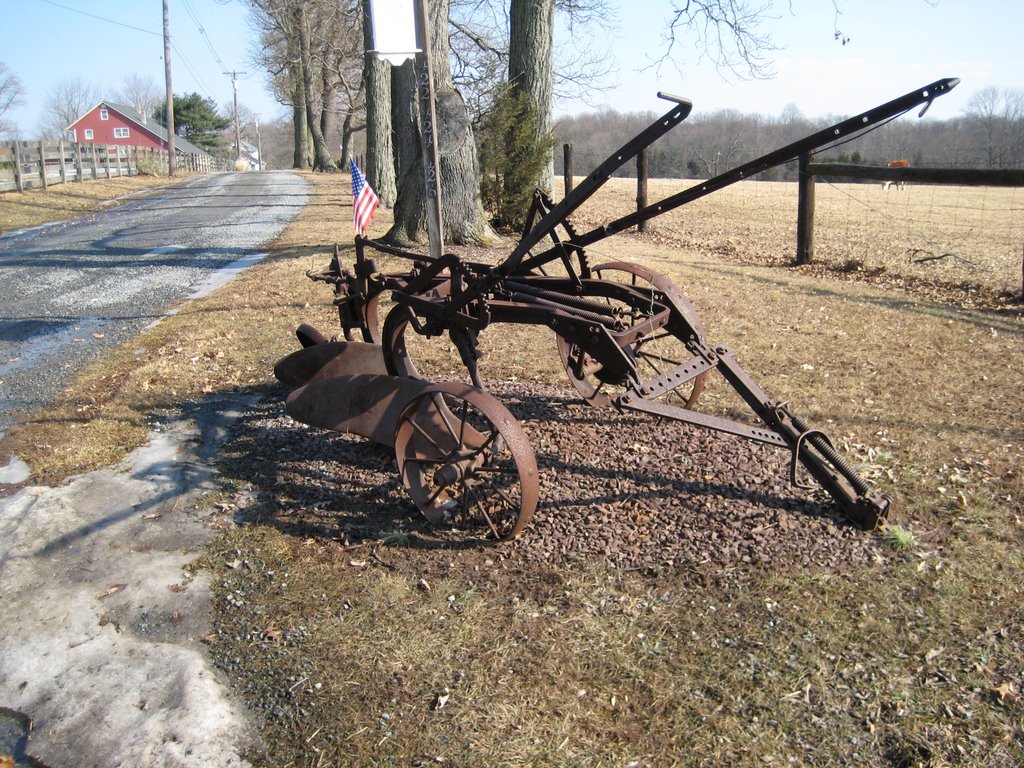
[
  {"x": 79, "y": 170},
  {"x": 63, "y": 166},
  {"x": 95, "y": 167},
  {"x": 567, "y": 167},
  {"x": 641, "y": 186},
  {"x": 106, "y": 158},
  {"x": 805, "y": 211},
  {"x": 42, "y": 164},
  {"x": 19, "y": 184},
  {"x": 120, "y": 173}
]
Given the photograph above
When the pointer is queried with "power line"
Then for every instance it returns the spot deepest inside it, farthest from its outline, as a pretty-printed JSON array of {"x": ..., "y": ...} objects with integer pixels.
[
  {"x": 101, "y": 18},
  {"x": 202, "y": 31},
  {"x": 181, "y": 56},
  {"x": 188, "y": 65}
]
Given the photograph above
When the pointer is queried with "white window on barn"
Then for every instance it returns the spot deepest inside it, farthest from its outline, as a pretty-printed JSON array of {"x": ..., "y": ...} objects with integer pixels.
[
  {"x": 88, "y": 134},
  {"x": 104, "y": 115},
  {"x": 120, "y": 133}
]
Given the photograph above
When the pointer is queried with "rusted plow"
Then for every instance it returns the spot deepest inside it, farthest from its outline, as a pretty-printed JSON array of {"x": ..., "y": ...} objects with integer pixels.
[{"x": 627, "y": 337}]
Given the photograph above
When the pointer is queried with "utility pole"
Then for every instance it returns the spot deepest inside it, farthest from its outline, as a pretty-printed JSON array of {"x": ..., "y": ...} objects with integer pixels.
[
  {"x": 171, "y": 153},
  {"x": 259, "y": 143},
  {"x": 238, "y": 128}
]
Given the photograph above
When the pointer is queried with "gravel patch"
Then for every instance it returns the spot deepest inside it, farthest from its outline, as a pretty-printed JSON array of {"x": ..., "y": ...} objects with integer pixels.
[{"x": 629, "y": 489}]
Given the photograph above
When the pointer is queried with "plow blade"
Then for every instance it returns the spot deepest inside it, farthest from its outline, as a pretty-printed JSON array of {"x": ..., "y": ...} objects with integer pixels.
[
  {"x": 364, "y": 404},
  {"x": 332, "y": 358}
]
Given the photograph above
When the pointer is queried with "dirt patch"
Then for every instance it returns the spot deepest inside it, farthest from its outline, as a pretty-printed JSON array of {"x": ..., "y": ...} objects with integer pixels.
[{"x": 630, "y": 490}]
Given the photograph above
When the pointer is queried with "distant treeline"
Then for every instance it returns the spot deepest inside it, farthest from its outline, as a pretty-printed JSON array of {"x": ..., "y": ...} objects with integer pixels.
[{"x": 705, "y": 145}]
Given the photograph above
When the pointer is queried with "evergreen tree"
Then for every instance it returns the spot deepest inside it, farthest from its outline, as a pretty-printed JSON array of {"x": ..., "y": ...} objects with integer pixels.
[{"x": 196, "y": 120}]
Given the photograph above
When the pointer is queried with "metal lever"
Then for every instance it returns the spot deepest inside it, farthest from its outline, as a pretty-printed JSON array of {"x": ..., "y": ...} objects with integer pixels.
[
  {"x": 950, "y": 84},
  {"x": 676, "y": 99}
]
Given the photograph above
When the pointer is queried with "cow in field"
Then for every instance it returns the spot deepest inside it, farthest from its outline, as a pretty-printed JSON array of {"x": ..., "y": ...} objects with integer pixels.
[{"x": 896, "y": 164}]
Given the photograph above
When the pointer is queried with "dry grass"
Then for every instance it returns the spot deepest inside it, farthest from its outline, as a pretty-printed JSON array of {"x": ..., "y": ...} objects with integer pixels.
[
  {"x": 914, "y": 661},
  {"x": 58, "y": 202}
]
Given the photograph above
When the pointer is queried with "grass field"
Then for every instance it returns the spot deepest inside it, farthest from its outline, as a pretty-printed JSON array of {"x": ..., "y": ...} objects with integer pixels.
[{"x": 916, "y": 660}]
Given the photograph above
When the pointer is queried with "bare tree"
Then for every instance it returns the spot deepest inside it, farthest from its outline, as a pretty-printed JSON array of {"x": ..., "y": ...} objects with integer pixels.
[
  {"x": 312, "y": 52},
  {"x": 12, "y": 94},
  {"x": 304, "y": 18},
  {"x": 141, "y": 93},
  {"x": 67, "y": 101},
  {"x": 995, "y": 117},
  {"x": 726, "y": 32}
]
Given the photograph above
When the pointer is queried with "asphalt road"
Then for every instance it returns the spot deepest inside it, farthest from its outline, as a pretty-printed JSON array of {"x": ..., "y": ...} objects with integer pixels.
[{"x": 70, "y": 290}]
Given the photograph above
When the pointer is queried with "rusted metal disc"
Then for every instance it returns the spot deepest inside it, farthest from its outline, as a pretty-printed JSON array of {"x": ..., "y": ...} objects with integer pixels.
[
  {"x": 396, "y": 352},
  {"x": 466, "y": 462},
  {"x": 655, "y": 353}
]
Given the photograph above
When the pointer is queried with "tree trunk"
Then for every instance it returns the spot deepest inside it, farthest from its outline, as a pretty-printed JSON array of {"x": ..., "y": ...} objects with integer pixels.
[
  {"x": 380, "y": 153},
  {"x": 328, "y": 96},
  {"x": 464, "y": 218},
  {"x": 300, "y": 158},
  {"x": 322, "y": 160},
  {"x": 530, "y": 64},
  {"x": 410, "y": 212},
  {"x": 346, "y": 142}
]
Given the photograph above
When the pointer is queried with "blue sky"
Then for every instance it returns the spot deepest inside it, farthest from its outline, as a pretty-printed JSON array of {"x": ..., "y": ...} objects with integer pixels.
[{"x": 894, "y": 46}]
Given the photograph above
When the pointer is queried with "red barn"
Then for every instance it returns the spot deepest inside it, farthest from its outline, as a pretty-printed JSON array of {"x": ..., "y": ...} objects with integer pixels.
[{"x": 108, "y": 123}]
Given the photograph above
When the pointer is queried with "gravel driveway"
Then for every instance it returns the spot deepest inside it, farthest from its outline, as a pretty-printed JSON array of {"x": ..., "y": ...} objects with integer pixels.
[{"x": 72, "y": 289}]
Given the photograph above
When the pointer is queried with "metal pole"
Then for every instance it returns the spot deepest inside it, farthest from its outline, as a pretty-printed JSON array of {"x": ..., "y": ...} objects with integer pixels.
[
  {"x": 259, "y": 145},
  {"x": 238, "y": 127},
  {"x": 170, "y": 92},
  {"x": 428, "y": 116}
]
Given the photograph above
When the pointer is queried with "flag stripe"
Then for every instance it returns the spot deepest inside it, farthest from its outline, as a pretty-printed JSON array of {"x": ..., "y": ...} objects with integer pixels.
[{"x": 364, "y": 201}]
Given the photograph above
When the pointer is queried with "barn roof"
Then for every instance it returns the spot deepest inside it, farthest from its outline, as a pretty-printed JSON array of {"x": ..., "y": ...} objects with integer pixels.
[{"x": 181, "y": 144}]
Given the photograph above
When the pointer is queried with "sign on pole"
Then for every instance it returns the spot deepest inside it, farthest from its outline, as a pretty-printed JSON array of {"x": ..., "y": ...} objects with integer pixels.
[{"x": 394, "y": 30}]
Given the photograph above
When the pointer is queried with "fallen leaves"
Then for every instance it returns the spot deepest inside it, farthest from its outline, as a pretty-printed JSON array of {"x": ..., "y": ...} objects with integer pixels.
[
  {"x": 113, "y": 589},
  {"x": 1007, "y": 693},
  {"x": 441, "y": 700}
]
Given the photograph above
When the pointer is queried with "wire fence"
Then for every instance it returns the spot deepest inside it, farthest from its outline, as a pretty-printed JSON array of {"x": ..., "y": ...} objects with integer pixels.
[{"x": 954, "y": 235}]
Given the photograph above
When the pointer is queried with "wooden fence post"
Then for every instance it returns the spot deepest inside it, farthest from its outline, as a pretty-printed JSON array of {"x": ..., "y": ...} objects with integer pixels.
[
  {"x": 805, "y": 211},
  {"x": 95, "y": 167},
  {"x": 42, "y": 164},
  {"x": 63, "y": 166},
  {"x": 19, "y": 183},
  {"x": 641, "y": 186},
  {"x": 79, "y": 169},
  {"x": 567, "y": 167}
]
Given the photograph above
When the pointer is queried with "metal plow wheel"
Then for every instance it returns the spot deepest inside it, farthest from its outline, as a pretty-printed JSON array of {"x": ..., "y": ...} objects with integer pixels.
[
  {"x": 655, "y": 352},
  {"x": 466, "y": 462}
]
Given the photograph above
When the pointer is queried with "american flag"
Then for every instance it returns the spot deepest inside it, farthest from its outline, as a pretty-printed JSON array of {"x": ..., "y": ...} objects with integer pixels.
[{"x": 364, "y": 200}]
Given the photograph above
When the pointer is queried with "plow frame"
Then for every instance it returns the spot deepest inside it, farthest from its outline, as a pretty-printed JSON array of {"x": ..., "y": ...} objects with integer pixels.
[{"x": 603, "y": 326}]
